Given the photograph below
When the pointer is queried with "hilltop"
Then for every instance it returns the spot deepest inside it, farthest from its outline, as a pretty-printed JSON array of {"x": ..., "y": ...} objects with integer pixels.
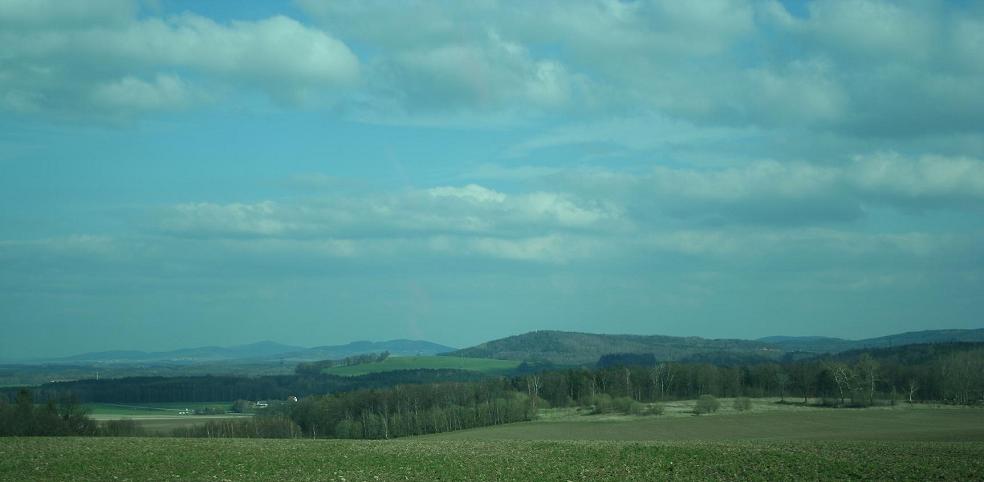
[
  {"x": 573, "y": 348},
  {"x": 819, "y": 344}
]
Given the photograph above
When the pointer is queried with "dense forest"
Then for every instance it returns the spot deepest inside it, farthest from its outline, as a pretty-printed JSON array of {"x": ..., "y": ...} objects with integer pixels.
[{"x": 225, "y": 388}]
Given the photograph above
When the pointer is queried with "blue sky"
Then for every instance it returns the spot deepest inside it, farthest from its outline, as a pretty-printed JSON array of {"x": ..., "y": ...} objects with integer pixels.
[{"x": 180, "y": 173}]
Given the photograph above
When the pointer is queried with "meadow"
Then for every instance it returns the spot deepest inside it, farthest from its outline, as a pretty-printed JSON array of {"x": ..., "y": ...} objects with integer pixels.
[{"x": 484, "y": 365}]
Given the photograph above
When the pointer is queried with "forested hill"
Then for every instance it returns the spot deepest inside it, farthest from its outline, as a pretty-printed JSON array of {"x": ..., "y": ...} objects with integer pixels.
[
  {"x": 817, "y": 344},
  {"x": 571, "y": 348}
]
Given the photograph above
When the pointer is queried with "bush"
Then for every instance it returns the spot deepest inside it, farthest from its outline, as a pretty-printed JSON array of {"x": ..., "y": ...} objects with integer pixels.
[
  {"x": 742, "y": 404},
  {"x": 623, "y": 405},
  {"x": 706, "y": 404},
  {"x": 653, "y": 409},
  {"x": 602, "y": 403}
]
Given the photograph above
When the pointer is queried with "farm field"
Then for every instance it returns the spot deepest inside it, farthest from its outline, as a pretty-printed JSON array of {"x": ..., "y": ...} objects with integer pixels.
[
  {"x": 484, "y": 365},
  {"x": 169, "y": 408},
  {"x": 159, "y": 418},
  {"x": 785, "y": 423},
  {"x": 44, "y": 458}
]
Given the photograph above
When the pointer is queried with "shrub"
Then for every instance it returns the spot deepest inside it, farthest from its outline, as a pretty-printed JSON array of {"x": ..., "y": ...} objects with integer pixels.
[
  {"x": 706, "y": 404},
  {"x": 653, "y": 409},
  {"x": 623, "y": 405},
  {"x": 602, "y": 403},
  {"x": 742, "y": 404}
]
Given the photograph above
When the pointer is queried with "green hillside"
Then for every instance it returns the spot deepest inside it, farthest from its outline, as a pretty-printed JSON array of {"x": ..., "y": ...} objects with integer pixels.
[
  {"x": 571, "y": 348},
  {"x": 425, "y": 362}
]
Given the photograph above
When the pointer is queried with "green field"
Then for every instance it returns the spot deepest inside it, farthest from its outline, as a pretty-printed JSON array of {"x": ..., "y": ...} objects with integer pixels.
[
  {"x": 484, "y": 365},
  {"x": 250, "y": 459}
]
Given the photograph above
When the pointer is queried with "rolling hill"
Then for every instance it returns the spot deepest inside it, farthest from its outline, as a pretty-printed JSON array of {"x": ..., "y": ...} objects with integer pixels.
[
  {"x": 819, "y": 344},
  {"x": 571, "y": 348},
  {"x": 395, "y": 347},
  {"x": 393, "y": 363},
  {"x": 257, "y": 350}
]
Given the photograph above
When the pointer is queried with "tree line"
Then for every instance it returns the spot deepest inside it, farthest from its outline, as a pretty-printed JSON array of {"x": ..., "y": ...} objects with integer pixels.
[
  {"x": 23, "y": 417},
  {"x": 949, "y": 373},
  {"x": 224, "y": 388},
  {"x": 316, "y": 367}
]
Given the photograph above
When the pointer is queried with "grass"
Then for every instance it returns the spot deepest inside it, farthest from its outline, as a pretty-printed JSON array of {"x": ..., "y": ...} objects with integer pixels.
[
  {"x": 251, "y": 459},
  {"x": 484, "y": 365}
]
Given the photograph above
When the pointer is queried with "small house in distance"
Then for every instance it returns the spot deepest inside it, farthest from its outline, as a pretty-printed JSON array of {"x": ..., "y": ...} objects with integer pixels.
[{"x": 292, "y": 399}]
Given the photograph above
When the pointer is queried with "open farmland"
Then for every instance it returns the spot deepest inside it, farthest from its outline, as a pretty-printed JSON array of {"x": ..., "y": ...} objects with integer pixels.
[
  {"x": 101, "y": 410},
  {"x": 484, "y": 365},
  {"x": 250, "y": 459},
  {"x": 781, "y": 423},
  {"x": 159, "y": 418}
]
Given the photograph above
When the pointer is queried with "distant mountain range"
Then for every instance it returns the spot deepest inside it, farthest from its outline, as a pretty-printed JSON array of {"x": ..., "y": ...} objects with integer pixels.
[
  {"x": 394, "y": 347},
  {"x": 571, "y": 348},
  {"x": 261, "y": 351},
  {"x": 558, "y": 347}
]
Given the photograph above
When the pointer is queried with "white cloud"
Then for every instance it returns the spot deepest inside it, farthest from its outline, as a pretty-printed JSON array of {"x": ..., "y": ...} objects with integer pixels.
[
  {"x": 929, "y": 177},
  {"x": 471, "y": 192},
  {"x": 468, "y": 210},
  {"x": 165, "y": 92},
  {"x": 764, "y": 191},
  {"x": 16, "y": 14},
  {"x": 736, "y": 63},
  {"x": 236, "y": 219},
  {"x": 46, "y": 67}
]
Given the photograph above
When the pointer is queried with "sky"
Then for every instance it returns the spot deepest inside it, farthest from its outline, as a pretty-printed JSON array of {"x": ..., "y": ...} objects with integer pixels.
[{"x": 181, "y": 173}]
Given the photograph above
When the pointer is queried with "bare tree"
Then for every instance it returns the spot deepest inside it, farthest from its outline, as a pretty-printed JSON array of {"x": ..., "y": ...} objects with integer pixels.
[
  {"x": 844, "y": 377},
  {"x": 912, "y": 387},
  {"x": 533, "y": 384},
  {"x": 868, "y": 375},
  {"x": 782, "y": 379}
]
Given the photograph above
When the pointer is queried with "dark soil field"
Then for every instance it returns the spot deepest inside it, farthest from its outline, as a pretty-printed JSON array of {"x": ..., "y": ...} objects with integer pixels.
[
  {"x": 252, "y": 459},
  {"x": 776, "y": 444},
  {"x": 903, "y": 424}
]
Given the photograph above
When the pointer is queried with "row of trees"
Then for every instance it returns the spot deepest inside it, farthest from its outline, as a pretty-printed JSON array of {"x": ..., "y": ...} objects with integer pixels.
[
  {"x": 412, "y": 409},
  {"x": 952, "y": 374},
  {"x": 316, "y": 367},
  {"x": 222, "y": 388}
]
